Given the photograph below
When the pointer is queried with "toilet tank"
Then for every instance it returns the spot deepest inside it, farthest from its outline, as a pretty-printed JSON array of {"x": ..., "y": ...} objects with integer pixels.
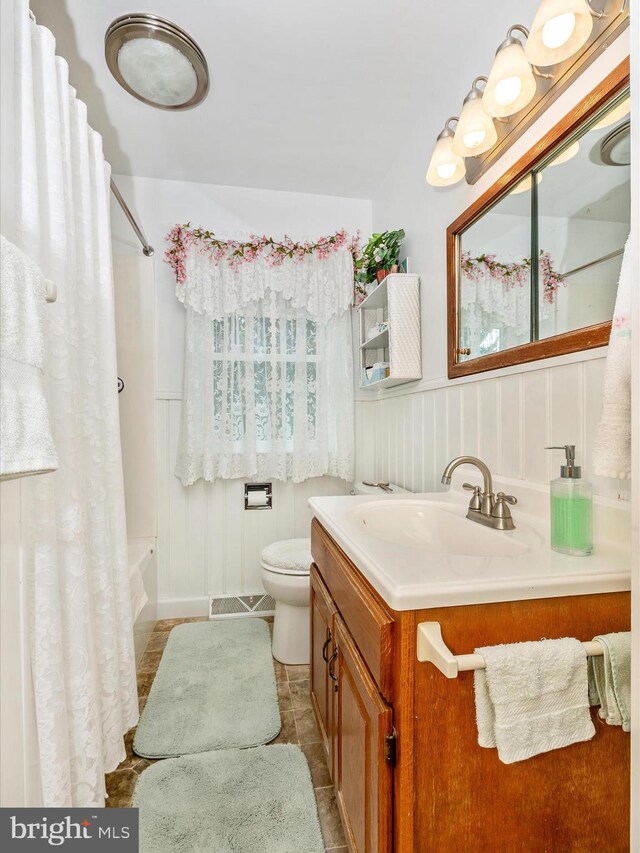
[{"x": 365, "y": 489}]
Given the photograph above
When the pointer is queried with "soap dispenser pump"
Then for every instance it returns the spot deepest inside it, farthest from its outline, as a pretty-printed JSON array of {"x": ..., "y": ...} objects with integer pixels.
[{"x": 571, "y": 508}]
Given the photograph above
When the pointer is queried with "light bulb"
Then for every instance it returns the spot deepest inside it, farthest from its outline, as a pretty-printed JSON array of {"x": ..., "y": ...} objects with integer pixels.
[
  {"x": 474, "y": 138},
  {"x": 446, "y": 167},
  {"x": 560, "y": 29},
  {"x": 511, "y": 84},
  {"x": 475, "y": 132},
  {"x": 446, "y": 170},
  {"x": 508, "y": 90},
  {"x": 557, "y": 31}
]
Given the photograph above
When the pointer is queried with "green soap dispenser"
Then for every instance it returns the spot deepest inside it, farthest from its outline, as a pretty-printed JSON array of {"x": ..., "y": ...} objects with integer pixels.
[{"x": 571, "y": 508}]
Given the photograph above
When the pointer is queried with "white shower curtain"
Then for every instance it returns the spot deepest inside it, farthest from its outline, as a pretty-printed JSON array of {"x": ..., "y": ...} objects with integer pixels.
[{"x": 82, "y": 654}]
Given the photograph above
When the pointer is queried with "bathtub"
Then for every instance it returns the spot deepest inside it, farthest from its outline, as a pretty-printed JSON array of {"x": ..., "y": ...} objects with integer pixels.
[{"x": 143, "y": 586}]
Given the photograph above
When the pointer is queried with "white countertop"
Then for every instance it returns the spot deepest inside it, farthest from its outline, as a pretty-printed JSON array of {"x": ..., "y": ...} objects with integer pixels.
[{"x": 408, "y": 577}]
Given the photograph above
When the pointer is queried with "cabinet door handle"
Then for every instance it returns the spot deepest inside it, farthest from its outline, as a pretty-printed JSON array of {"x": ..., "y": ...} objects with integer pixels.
[
  {"x": 332, "y": 676},
  {"x": 325, "y": 656}
]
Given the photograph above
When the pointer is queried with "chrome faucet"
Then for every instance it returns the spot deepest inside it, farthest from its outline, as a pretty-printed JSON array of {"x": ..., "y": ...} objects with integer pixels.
[{"x": 484, "y": 507}]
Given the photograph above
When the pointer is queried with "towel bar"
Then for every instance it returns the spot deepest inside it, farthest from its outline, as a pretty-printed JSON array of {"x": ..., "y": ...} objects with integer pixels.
[{"x": 432, "y": 649}]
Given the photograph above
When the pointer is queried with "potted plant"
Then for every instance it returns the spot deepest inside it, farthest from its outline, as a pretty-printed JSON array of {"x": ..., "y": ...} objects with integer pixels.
[{"x": 379, "y": 257}]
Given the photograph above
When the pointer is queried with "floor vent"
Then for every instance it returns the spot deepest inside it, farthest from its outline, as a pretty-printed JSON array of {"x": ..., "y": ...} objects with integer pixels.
[{"x": 226, "y": 606}]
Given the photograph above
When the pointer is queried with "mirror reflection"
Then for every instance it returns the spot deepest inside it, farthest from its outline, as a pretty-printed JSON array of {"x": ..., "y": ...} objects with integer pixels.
[{"x": 572, "y": 214}]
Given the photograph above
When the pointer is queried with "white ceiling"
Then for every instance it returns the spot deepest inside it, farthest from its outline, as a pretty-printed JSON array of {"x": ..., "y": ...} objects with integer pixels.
[{"x": 306, "y": 96}]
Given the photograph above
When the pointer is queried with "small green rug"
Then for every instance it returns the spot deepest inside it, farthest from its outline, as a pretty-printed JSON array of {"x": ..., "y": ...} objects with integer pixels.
[
  {"x": 230, "y": 801},
  {"x": 215, "y": 689}
]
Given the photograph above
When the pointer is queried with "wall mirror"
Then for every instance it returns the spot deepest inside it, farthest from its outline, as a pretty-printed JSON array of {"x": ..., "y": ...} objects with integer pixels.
[{"x": 533, "y": 265}]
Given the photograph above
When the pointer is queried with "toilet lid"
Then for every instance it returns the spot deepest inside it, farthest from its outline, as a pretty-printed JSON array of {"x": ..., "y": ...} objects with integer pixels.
[{"x": 289, "y": 556}]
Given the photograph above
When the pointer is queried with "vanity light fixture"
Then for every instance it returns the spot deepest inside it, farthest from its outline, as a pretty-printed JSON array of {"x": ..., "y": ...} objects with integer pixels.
[
  {"x": 615, "y": 115},
  {"x": 156, "y": 61},
  {"x": 568, "y": 154},
  {"x": 559, "y": 29},
  {"x": 524, "y": 186},
  {"x": 446, "y": 167},
  {"x": 475, "y": 131},
  {"x": 511, "y": 84}
]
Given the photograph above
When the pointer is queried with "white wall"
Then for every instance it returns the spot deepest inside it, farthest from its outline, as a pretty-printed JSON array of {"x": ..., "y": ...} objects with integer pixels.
[
  {"x": 207, "y": 542},
  {"x": 505, "y": 416}
]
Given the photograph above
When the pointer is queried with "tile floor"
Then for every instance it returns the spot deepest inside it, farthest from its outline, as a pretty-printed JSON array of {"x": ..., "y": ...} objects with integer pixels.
[{"x": 298, "y": 726}]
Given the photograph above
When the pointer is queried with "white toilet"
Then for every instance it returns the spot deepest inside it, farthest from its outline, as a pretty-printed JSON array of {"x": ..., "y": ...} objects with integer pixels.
[{"x": 285, "y": 576}]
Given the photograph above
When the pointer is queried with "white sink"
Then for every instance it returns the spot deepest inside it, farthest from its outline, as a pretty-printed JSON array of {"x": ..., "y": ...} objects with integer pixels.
[{"x": 435, "y": 528}]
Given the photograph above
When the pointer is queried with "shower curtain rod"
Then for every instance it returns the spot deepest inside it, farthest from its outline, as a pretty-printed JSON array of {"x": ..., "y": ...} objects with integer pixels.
[{"x": 147, "y": 250}]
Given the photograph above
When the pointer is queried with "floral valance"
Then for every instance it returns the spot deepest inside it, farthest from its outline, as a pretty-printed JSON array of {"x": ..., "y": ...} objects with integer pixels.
[
  {"x": 514, "y": 273},
  {"x": 218, "y": 277}
]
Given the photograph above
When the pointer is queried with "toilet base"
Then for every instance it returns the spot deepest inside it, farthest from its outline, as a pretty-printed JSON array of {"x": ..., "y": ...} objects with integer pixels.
[{"x": 290, "y": 642}]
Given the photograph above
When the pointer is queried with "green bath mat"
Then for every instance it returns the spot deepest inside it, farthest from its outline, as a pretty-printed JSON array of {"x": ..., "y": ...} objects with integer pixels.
[
  {"x": 230, "y": 801},
  {"x": 215, "y": 689}
]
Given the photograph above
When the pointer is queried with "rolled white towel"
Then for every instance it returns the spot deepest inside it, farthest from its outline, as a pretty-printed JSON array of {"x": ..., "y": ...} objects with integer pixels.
[{"x": 26, "y": 444}]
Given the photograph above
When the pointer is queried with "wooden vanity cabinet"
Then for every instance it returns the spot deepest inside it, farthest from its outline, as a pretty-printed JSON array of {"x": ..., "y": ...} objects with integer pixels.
[
  {"x": 401, "y": 738},
  {"x": 323, "y": 655}
]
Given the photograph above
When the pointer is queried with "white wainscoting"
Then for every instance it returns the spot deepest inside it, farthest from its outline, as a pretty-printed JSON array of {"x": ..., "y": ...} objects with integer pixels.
[
  {"x": 507, "y": 421},
  {"x": 207, "y": 542}
]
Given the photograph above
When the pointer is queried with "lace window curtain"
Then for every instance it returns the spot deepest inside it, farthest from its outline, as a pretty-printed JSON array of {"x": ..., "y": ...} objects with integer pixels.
[
  {"x": 496, "y": 315},
  {"x": 268, "y": 378}
]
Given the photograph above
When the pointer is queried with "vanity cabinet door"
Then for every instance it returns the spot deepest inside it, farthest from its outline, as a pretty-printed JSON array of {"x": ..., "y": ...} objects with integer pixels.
[
  {"x": 363, "y": 778},
  {"x": 322, "y": 647}
]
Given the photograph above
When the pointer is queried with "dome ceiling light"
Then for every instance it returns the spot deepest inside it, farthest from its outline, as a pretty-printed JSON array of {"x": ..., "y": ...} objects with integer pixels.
[
  {"x": 156, "y": 61},
  {"x": 615, "y": 148}
]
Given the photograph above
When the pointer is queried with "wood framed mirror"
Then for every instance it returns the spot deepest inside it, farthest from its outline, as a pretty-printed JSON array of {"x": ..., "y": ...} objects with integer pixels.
[{"x": 533, "y": 264}]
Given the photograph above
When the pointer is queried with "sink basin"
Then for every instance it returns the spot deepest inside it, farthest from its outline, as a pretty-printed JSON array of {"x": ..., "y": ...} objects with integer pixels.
[{"x": 436, "y": 528}]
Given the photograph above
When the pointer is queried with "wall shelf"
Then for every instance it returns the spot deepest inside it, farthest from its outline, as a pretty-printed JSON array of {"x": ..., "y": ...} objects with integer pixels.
[{"x": 396, "y": 302}]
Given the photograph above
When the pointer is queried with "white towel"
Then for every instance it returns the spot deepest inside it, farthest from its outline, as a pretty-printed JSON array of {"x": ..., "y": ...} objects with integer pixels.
[
  {"x": 610, "y": 679},
  {"x": 612, "y": 441},
  {"x": 26, "y": 445},
  {"x": 532, "y": 697}
]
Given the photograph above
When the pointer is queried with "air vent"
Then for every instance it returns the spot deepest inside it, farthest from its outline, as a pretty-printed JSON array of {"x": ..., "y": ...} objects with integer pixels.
[{"x": 226, "y": 606}]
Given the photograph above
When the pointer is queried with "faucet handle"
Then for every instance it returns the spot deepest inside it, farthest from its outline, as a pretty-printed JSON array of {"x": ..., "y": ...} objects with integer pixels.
[
  {"x": 510, "y": 499},
  {"x": 476, "y": 501}
]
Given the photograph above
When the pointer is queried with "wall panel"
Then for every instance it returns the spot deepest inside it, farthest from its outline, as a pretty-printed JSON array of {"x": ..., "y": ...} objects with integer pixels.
[{"x": 507, "y": 421}]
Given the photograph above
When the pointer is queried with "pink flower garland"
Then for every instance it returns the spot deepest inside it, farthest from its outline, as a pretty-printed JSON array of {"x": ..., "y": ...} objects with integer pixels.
[
  {"x": 512, "y": 274},
  {"x": 235, "y": 253}
]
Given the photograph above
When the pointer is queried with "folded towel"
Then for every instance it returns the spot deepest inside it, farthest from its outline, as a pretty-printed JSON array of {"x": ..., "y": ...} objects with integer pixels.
[
  {"x": 612, "y": 441},
  {"x": 532, "y": 697},
  {"x": 610, "y": 679},
  {"x": 26, "y": 446}
]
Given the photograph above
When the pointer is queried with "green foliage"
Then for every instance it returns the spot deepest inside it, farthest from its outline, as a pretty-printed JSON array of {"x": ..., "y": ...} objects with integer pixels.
[{"x": 380, "y": 253}]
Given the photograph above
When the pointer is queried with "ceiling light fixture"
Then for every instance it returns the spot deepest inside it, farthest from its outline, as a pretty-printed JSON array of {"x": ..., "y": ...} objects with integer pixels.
[
  {"x": 475, "y": 131},
  {"x": 446, "y": 167},
  {"x": 615, "y": 148},
  {"x": 156, "y": 61},
  {"x": 511, "y": 84},
  {"x": 559, "y": 29}
]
